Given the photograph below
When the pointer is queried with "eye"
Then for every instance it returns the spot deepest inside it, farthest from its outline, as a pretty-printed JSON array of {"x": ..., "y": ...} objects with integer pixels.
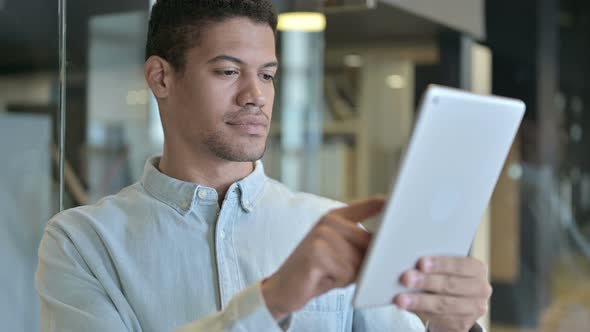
[
  {"x": 228, "y": 72},
  {"x": 268, "y": 77}
]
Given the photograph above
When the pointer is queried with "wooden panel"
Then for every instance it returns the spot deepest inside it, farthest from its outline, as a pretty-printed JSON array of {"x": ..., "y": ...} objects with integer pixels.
[{"x": 505, "y": 226}]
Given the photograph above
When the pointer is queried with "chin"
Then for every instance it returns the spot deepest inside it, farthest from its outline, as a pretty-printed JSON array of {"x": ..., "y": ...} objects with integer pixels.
[
  {"x": 236, "y": 149},
  {"x": 253, "y": 155},
  {"x": 251, "y": 150},
  {"x": 239, "y": 154}
]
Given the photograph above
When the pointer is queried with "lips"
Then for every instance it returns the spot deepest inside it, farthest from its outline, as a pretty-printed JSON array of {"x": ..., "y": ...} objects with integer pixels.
[
  {"x": 252, "y": 125},
  {"x": 247, "y": 123}
]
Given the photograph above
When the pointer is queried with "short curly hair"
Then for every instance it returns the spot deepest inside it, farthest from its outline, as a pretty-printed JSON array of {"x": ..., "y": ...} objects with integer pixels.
[{"x": 175, "y": 25}]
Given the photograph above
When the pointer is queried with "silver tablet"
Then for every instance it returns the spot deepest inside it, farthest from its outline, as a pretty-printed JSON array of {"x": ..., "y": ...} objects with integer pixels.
[{"x": 455, "y": 156}]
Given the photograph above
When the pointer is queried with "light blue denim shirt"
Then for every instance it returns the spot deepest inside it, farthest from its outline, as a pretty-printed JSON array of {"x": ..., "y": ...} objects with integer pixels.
[{"x": 161, "y": 255}]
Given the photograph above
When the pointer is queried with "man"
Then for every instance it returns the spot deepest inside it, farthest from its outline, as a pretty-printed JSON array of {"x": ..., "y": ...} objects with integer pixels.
[{"x": 205, "y": 241}]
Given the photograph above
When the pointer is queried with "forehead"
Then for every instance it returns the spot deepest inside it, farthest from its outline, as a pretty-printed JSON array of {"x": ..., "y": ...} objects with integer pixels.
[{"x": 252, "y": 42}]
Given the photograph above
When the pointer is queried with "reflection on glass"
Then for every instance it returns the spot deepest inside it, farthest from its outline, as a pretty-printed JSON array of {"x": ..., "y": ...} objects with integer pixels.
[
  {"x": 123, "y": 127},
  {"x": 301, "y": 109},
  {"x": 28, "y": 177}
]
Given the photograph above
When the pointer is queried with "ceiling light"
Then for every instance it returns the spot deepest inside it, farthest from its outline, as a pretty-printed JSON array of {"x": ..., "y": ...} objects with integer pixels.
[{"x": 302, "y": 21}]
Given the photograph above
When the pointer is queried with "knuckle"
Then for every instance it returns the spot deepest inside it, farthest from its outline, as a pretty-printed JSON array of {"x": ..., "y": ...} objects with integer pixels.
[
  {"x": 433, "y": 284},
  {"x": 458, "y": 267},
  {"x": 316, "y": 269},
  {"x": 442, "y": 304},
  {"x": 488, "y": 290},
  {"x": 439, "y": 307},
  {"x": 450, "y": 285},
  {"x": 326, "y": 219},
  {"x": 425, "y": 282},
  {"x": 318, "y": 243},
  {"x": 323, "y": 231}
]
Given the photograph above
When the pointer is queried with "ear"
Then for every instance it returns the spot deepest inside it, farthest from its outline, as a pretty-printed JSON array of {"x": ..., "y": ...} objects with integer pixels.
[{"x": 158, "y": 75}]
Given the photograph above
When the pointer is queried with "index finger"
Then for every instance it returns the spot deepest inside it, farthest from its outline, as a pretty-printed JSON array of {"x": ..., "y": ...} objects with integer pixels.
[
  {"x": 458, "y": 266},
  {"x": 361, "y": 210}
]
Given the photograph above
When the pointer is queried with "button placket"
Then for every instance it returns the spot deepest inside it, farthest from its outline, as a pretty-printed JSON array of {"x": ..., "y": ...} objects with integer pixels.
[
  {"x": 224, "y": 253},
  {"x": 221, "y": 266}
]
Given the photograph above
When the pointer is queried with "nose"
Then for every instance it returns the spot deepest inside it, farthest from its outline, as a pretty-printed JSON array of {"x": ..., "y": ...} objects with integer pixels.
[{"x": 251, "y": 95}]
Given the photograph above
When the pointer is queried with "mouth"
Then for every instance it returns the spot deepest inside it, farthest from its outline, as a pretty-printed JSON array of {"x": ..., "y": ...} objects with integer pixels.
[{"x": 250, "y": 126}]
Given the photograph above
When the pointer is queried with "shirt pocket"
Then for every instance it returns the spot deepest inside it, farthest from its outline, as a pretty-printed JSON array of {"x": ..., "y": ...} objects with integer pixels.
[
  {"x": 332, "y": 301},
  {"x": 328, "y": 312}
]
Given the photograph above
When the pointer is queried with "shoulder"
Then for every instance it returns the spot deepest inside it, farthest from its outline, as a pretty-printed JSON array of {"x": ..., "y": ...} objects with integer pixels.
[
  {"x": 280, "y": 194},
  {"x": 110, "y": 211}
]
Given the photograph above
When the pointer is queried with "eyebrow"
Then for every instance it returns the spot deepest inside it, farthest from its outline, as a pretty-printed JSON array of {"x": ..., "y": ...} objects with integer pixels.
[{"x": 239, "y": 61}]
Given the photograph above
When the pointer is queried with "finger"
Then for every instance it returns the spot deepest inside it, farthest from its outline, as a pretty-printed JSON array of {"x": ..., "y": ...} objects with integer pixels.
[
  {"x": 440, "y": 304},
  {"x": 341, "y": 259},
  {"x": 458, "y": 266},
  {"x": 447, "y": 284},
  {"x": 356, "y": 236},
  {"x": 330, "y": 266},
  {"x": 362, "y": 210}
]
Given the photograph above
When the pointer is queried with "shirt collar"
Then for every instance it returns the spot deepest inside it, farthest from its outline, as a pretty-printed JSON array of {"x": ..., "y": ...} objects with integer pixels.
[{"x": 184, "y": 196}]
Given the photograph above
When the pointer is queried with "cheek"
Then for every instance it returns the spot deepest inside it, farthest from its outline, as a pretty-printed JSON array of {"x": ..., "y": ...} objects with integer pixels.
[
  {"x": 270, "y": 98},
  {"x": 208, "y": 104}
]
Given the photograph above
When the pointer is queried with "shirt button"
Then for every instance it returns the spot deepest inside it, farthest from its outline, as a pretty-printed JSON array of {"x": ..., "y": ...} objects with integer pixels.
[
  {"x": 247, "y": 204},
  {"x": 222, "y": 235},
  {"x": 202, "y": 194}
]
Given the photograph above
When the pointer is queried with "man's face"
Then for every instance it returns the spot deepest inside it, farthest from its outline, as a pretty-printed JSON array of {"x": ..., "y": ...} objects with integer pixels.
[{"x": 222, "y": 103}]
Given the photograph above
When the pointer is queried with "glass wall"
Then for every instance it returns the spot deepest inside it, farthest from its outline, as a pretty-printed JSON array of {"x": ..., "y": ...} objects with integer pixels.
[
  {"x": 113, "y": 122},
  {"x": 346, "y": 103},
  {"x": 28, "y": 182},
  {"x": 541, "y": 252}
]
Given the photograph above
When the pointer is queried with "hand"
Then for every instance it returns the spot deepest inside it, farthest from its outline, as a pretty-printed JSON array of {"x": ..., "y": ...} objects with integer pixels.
[
  {"x": 329, "y": 257},
  {"x": 454, "y": 292}
]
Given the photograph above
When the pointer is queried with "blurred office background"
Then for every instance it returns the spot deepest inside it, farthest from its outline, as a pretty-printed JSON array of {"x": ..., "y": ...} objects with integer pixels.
[{"x": 346, "y": 102}]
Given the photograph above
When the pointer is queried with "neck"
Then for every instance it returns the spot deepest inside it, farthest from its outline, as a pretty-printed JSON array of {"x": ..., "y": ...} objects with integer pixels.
[{"x": 206, "y": 170}]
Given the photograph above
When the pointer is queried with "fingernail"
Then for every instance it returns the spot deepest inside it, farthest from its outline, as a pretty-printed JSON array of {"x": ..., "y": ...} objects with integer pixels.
[
  {"x": 414, "y": 280},
  {"x": 427, "y": 264},
  {"x": 405, "y": 301},
  {"x": 411, "y": 281}
]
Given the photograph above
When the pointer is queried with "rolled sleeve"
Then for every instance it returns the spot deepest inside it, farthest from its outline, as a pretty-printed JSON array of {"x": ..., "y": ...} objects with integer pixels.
[{"x": 247, "y": 311}]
